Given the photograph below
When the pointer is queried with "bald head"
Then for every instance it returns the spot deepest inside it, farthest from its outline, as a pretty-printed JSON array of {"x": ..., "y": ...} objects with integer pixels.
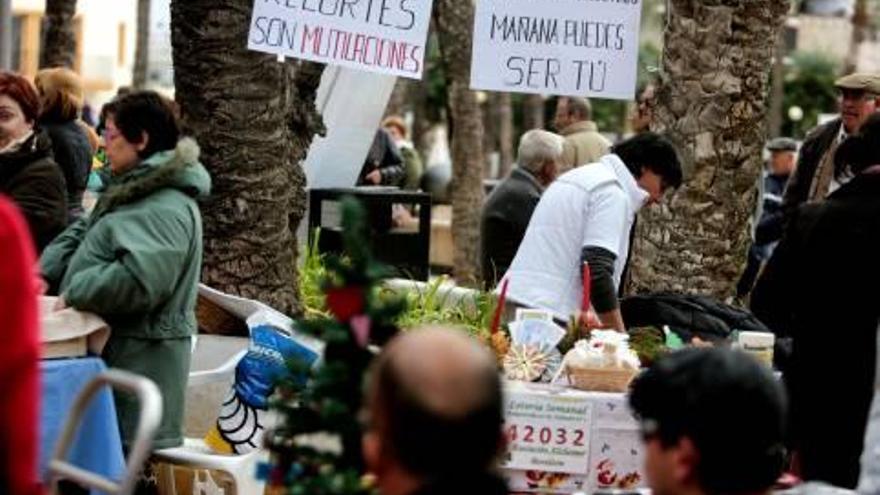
[{"x": 432, "y": 391}]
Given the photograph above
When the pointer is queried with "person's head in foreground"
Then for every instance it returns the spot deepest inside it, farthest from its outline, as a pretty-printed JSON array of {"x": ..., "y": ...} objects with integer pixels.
[
  {"x": 540, "y": 152},
  {"x": 713, "y": 423},
  {"x": 434, "y": 416},
  {"x": 142, "y": 124},
  {"x": 653, "y": 161}
]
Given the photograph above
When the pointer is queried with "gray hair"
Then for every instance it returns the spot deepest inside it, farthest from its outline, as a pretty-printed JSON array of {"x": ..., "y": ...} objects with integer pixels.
[
  {"x": 580, "y": 107},
  {"x": 537, "y": 147}
]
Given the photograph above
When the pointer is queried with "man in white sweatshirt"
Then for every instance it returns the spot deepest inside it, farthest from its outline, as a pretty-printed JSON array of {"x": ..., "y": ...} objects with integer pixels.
[{"x": 586, "y": 216}]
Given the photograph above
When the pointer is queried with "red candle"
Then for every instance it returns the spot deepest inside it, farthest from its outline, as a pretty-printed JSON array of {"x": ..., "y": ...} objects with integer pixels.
[
  {"x": 496, "y": 318},
  {"x": 585, "y": 300}
]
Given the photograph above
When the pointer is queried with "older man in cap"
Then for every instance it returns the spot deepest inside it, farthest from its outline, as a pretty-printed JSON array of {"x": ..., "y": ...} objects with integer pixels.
[
  {"x": 783, "y": 154},
  {"x": 816, "y": 175}
]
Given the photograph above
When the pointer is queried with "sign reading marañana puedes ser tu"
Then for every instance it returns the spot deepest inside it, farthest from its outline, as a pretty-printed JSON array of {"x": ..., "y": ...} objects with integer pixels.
[
  {"x": 559, "y": 47},
  {"x": 383, "y": 36}
]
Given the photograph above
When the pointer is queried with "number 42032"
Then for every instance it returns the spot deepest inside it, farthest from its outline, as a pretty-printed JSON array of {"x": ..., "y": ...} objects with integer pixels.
[{"x": 545, "y": 435}]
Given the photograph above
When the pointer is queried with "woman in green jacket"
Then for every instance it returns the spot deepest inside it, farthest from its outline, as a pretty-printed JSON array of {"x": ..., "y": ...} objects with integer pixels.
[{"x": 136, "y": 260}]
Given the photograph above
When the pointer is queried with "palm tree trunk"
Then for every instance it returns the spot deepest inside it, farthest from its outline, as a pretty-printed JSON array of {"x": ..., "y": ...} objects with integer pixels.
[
  {"x": 58, "y": 47},
  {"x": 533, "y": 112},
  {"x": 712, "y": 103},
  {"x": 253, "y": 118},
  {"x": 399, "y": 100},
  {"x": 777, "y": 90},
  {"x": 142, "y": 45},
  {"x": 861, "y": 23},
  {"x": 504, "y": 112},
  {"x": 454, "y": 22},
  {"x": 499, "y": 130}
]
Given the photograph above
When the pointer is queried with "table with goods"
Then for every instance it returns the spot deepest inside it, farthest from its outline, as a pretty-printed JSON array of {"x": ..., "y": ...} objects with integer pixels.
[{"x": 568, "y": 425}]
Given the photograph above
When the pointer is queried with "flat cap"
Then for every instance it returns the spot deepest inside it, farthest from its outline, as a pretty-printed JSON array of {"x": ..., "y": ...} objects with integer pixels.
[
  {"x": 860, "y": 81},
  {"x": 782, "y": 144}
]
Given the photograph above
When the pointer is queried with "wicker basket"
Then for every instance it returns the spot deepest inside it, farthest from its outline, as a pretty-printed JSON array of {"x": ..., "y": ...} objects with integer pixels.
[{"x": 600, "y": 379}]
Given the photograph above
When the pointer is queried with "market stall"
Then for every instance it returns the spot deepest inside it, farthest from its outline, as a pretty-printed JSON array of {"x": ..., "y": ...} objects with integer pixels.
[{"x": 69, "y": 337}]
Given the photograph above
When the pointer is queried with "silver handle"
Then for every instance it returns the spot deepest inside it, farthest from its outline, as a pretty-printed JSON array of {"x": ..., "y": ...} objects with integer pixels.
[{"x": 151, "y": 415}]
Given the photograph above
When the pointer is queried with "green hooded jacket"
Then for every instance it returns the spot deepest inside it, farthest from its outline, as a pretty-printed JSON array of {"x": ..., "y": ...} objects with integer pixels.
[{"x": 136, "y": 262}]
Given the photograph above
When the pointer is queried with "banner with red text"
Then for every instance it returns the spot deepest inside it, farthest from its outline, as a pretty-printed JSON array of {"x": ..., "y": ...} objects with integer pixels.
[{"x": 382, "y": 36}]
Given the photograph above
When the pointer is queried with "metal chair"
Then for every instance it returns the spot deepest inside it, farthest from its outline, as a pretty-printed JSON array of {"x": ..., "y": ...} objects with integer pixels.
[{"x": 151, "y": 415}]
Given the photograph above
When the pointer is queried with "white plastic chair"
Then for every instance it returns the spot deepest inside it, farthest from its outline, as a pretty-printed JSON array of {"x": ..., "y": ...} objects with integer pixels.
[
  {"x": 194, "y": 453},
  {"x": 151, "y": 415}
]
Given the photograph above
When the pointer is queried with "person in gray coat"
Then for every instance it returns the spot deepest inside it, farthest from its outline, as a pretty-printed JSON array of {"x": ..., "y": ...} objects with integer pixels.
[{"x": 509, "y": 208}]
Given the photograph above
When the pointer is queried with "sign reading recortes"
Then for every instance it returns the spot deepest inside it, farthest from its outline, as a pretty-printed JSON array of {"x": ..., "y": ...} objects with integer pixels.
[{"x": 382, "y": 36}]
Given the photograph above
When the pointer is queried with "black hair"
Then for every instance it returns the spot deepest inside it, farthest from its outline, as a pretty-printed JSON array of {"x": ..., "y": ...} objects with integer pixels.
[
  {"x": 860, "y": 151},
  {"x": 428, "y": 443},
  {"x": 653, "y": 152},
  {"x": 728, "y": 404},
  {"x": 107, "y": 110},
  {"x": 147, "y": 112}
]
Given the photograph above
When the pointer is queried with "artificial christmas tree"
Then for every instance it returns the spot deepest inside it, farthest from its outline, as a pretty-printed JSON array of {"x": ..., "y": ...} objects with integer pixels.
[{"x": 316, "y": 444}]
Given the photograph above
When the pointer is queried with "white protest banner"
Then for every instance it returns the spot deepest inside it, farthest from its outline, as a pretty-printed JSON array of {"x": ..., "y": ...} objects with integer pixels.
[
  {"x": 546, "y": 431},
  {"x": 383, "y": 36},
  {"x": 559, "y": 47}
]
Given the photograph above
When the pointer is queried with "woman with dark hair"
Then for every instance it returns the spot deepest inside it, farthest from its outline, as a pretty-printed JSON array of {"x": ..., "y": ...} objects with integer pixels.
[
  {"x": 28, "y": 175},
  {"x": 820, "y": 288},
  {"x": 137, "y": 258},
  {"x": 61, "y": 101}
]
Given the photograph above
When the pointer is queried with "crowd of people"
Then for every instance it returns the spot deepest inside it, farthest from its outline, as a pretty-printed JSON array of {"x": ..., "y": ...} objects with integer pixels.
[
  {"x": 813, "y": 265},
  {"x": 134, "y": 260},
  {"x": 713, "y": 421}
]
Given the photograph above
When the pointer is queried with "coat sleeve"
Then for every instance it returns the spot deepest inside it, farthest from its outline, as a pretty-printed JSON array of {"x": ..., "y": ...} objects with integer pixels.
[
  {"x": 391, "y": 166},
  {"x": 770, "y": 228},
  {"x": 42, "y": 199},
  {"x": 56, "y": 256},
  {"x": 797, "y": 191},
  {"x": 772, "y": 298},
  {"x": 141, "y": 259}
]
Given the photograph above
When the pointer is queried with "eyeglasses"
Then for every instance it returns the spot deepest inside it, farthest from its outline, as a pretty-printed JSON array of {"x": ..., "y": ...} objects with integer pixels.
[{"x": 856, "y": 95}]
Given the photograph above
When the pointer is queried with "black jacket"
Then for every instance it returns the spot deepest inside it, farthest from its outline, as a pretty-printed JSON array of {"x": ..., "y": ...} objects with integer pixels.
[
  {"x": 813, "y": 149},
  {"x": 73, "y": 153},
  {"x": 772, "y": 219},
  {"x": 821, "y": 288},
  {"x": 506, "y": 215},
  {"x": 384, "y": 156},
  {"x": 35, "y": 183},
  {"x": 688, "y": 315},
  {"x": 482, "y": 484}
]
